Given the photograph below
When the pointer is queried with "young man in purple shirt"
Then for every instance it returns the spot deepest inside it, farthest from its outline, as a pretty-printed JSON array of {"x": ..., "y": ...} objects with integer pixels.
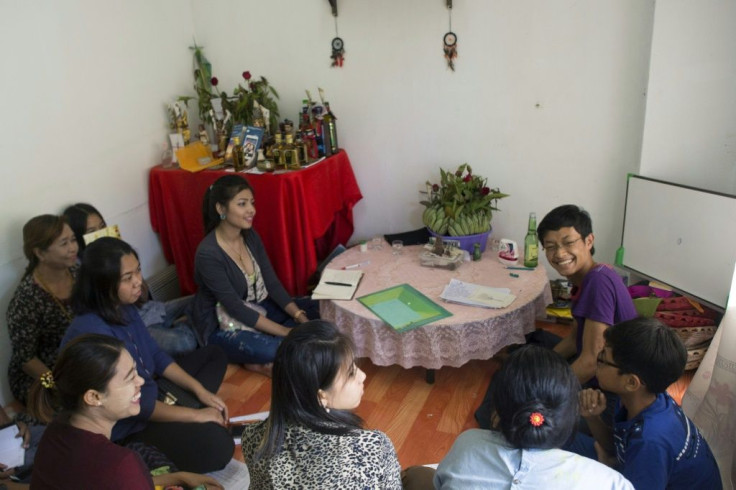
[{"x": 600, "y": 298}]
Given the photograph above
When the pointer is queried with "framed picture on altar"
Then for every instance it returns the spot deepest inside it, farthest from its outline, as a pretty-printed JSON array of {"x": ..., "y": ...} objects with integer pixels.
[{"x": 251, "y": 144}]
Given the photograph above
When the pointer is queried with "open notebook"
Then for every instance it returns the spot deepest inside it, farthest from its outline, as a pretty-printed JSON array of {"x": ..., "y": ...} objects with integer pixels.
[{"x": 337, "y": 284}]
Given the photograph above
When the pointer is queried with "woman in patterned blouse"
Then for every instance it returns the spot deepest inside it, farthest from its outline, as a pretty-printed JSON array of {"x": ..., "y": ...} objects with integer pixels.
[
  {"x": 312, "y": 439},
  {"x": 39, "y": 313}
]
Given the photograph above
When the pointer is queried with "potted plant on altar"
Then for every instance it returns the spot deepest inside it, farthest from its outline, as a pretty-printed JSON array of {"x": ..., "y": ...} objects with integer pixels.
[
  {"x": 251, "y": 105},
  {"x": 255, "y": 104},
  {"x": 461, "y": 206}
]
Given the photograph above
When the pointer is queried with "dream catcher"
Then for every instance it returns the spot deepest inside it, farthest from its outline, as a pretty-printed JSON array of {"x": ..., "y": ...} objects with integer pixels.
[
  {"x": 449, "y": 41},
  {"x": 338, "y": 46}
]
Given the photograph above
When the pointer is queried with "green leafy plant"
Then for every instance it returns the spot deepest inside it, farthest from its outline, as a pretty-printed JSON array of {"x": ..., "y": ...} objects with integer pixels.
[
  {"x": 241, "y": 104},
  {"x": 461, "y": 204},
  {"x": 203, "y": 85}
]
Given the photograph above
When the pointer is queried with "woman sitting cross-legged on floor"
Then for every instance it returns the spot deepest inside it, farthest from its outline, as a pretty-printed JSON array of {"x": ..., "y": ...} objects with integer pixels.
[
  {"x": 168, "y": 323},
  {"x": 93, "y": 385},
  {"x": 311, "y": 438},
  {"x": 40, "y": 311},
  {"x": 108, "y": 285},
  {"x": 534, "y": 412},
  {"x": 240, "y": 303}
]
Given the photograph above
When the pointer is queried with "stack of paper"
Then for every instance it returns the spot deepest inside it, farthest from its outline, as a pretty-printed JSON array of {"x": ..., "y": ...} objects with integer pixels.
[
  {"x": 337, "y": 284},
  {"x": 11, "y": 448},
  {"x": 234, "y": 476},
  {"x": 475, "y": 295}
]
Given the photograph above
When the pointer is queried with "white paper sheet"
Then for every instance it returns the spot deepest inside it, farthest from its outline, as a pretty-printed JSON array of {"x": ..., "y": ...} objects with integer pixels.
[
  {"x": 234, "y": 476},
  {"x": 11, "y": 448},
  {"x": 470, "y": 294}
]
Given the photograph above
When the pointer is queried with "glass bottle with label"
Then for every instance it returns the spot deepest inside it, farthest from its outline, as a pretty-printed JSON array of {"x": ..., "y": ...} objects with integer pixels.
[
  {"x": 331, "y": 127},
  {"x": 238, "y": 159},
  {"x": 278, "y": 158},
  {"x": 531, "y": 244},
  {"x": 291, "y": 154}
]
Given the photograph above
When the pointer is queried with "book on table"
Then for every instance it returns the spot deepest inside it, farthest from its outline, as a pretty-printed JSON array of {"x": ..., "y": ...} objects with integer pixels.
[{"x": 337, "y": 284}]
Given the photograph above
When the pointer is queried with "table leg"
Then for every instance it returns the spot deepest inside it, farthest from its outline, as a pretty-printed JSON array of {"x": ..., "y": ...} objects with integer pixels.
[{"x": 430, "y": 376}]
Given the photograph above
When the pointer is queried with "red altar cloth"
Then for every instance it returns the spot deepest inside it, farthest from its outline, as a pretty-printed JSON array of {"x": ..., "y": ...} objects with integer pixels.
[{"x": 300, "y": 215}]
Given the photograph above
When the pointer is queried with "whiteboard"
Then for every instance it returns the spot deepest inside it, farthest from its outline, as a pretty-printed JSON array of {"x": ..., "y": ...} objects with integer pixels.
[{"x": 682, "y": 236}]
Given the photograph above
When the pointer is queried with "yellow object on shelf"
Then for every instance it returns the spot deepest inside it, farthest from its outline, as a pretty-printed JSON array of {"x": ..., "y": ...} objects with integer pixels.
[
  {"x": 553, "y": 312},
  {"x": 195, "y": 157}
]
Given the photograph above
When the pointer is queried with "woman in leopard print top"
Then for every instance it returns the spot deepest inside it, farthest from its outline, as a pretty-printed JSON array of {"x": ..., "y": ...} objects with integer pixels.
[{"x": 311, "y": 438}]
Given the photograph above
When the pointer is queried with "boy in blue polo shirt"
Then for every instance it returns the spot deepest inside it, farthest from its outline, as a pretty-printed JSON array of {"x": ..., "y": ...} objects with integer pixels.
[{"x": 653, "y": 443}]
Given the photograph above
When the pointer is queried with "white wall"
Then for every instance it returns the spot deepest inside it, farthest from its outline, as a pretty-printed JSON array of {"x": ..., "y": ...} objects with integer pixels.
[
  {"x": 690, "y": 130},
  {"x": 547, "y": 102},
  {"x": 84, "y": 86}
]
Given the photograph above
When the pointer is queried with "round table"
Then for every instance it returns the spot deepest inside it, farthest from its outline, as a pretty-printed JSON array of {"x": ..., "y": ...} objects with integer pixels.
[{"x": 470, "y": 333}]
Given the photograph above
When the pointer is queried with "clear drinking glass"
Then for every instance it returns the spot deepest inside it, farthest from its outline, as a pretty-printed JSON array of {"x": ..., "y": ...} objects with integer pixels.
[
  {"x": 377, "y": 243},
  {"x": 397, "y": 246}
]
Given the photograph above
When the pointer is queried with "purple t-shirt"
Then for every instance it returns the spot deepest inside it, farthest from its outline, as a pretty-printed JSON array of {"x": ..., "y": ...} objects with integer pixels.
[{"x": 602, "y": 297}]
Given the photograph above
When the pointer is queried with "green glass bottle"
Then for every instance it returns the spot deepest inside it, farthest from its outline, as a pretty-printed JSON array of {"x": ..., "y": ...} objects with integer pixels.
[
  {"x": 238, "y": 158},
  {"x": 531, "y": 245}
]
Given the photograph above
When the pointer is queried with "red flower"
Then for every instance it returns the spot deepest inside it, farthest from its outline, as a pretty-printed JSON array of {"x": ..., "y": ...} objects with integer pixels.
[
  {"x": 485, "y": 191},
  {"x": 467, "y": 178},
  {"x": 435, "y": 187},
  {"x": 214, "y": 81},
  {"x": 246, "y": 75},
  {"x": 536, "y": 419}
]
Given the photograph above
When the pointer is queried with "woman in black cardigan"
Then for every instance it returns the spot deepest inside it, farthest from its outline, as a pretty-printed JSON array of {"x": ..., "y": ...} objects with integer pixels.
[{"x": 240, "y": 303}]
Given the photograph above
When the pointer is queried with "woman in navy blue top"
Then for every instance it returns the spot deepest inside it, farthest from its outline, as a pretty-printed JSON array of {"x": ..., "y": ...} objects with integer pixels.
[{"x": 108, "y": 285}]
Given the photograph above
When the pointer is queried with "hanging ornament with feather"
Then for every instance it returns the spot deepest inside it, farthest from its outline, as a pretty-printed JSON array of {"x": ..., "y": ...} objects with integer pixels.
[
  {"x": 449, "y": 41},
  {"x": 338, "y": 46}
]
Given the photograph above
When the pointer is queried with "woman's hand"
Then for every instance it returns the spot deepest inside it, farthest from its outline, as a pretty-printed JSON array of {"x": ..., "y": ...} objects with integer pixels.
[
  {"x": 6, "y": 472},
  {"x": 189, "y": 480},
  {"x": 592, "y": 402},
  {"x": 24, "y": 433},
  {"x": 209, "y": 414},
  {"x": 211, "y": 400}
]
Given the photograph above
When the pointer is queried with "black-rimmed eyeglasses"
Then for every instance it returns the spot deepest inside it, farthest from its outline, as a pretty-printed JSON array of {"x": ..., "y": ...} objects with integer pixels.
[{"x": 601, "y": 360}]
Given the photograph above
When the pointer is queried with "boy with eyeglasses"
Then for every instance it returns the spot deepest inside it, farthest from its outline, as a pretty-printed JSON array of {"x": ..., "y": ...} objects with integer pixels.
[
  {"x": 653, "y": 443},
  {"x": 599, "y": 297}
]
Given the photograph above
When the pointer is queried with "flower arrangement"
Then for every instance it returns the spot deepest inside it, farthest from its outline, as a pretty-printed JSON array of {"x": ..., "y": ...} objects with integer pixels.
[
  {"x": 250, "y": 103},
  {"x": 247, "y": 105},
  {"x": 461, "y": 204}
]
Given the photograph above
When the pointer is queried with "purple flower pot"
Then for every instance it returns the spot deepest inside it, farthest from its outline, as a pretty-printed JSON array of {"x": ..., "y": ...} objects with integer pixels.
[{"x": 467, "y": 242}]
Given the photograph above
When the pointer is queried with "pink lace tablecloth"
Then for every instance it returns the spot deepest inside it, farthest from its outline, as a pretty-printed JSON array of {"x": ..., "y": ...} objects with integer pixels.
[{"x": 470, "y": 333}]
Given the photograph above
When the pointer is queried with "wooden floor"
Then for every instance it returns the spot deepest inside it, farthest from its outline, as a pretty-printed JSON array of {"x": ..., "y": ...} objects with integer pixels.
[{"x": 421, "y": 419}]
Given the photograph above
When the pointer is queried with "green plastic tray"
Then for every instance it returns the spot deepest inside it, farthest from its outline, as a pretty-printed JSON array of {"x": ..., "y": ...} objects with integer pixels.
[{"x": 403, "y": 307}]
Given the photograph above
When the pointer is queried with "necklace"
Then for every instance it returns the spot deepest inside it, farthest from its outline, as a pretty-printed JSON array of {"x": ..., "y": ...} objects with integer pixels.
[
  {"x": 242, "y": 265},
  {"x": 58, "y": 302},
  {"x": 236, "y": 252}
]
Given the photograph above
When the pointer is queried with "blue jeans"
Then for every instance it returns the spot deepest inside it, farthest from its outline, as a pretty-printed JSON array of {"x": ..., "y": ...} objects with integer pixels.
[
  {"x": 246, "y": 347},
  {"x": 172, "y": 336}
]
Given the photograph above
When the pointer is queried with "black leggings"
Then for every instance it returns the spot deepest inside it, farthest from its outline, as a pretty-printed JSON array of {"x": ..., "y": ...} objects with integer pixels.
[{"x": 194, "y": 447}]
